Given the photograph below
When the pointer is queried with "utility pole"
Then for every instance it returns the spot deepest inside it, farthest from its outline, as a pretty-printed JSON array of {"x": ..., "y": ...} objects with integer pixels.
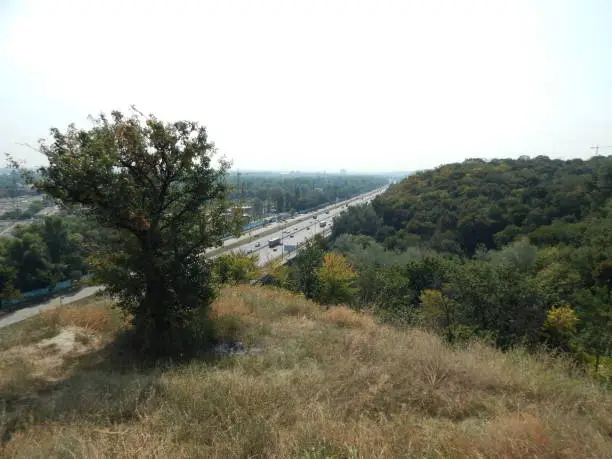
[{"x": 597, "y": 147}]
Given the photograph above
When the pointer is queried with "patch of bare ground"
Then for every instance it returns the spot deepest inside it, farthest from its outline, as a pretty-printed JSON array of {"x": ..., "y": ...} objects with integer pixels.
[{"x": 46, "y": 359}]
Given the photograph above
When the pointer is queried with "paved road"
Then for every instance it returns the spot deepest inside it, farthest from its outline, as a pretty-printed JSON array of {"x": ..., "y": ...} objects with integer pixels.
[
  {"x": 292, "y": 231},
  {"x": 22, "y": 314},
  {"x": 251, "y": 236},
  {"x": 293, "y": 234}
]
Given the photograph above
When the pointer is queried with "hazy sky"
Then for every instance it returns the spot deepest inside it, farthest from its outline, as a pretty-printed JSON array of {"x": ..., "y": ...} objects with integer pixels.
[{"x": 319, "y": 84}]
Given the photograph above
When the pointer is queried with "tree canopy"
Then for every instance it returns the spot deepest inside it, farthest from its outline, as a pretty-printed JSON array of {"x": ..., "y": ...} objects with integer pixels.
[
  {"x": 155, "y": 184},
  {"x": 458, "y": 207}
]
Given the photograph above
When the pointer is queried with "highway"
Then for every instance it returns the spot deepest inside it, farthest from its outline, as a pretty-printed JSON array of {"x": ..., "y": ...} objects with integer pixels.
[
  {"x": 262, "y": 235},
  {"x": 296, "y": 231}
]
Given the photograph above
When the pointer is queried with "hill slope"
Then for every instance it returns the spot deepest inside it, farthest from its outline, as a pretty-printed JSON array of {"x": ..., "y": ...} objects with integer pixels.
[
  {"x": 309, "y": 383},
  {"x": 456, "y": 207}
]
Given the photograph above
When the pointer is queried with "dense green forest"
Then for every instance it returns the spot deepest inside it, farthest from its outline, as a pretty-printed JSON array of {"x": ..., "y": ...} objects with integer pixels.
[
  {"x": 268, "y": 192},
  {"x": 458, "y": 207},
  {"x": 518, "y": 251}
]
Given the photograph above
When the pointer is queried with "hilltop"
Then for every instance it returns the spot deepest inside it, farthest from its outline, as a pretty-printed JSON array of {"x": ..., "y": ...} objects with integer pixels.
[{"x": 305, "y": 381}]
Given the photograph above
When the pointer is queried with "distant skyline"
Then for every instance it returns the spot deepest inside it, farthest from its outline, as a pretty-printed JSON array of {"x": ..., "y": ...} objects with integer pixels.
[{"x": 361, "y": 85}]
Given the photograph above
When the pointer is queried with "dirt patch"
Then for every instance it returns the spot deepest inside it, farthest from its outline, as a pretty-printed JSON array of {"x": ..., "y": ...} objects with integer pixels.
[{"x": 47, "y": 357}]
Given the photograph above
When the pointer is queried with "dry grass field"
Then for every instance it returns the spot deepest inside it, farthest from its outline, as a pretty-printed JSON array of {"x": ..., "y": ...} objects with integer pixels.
[{"x": 310, "y": 383}]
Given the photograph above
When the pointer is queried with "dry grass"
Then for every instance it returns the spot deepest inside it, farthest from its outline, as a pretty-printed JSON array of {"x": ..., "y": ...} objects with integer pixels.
[
  {"x": 328, "y": 383},
  {"x": 95, "y": 316},
  {"x": 345, "y": 316}
]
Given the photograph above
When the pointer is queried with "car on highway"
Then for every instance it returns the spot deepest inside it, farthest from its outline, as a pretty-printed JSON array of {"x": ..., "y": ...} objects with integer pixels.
[
  {"x": 257, "y": 244},
  {"x": 291, "y": 235}
]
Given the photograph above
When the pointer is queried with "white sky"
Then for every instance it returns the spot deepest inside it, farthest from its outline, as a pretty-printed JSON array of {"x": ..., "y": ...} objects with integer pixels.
[{"x": 319, "y": 84}]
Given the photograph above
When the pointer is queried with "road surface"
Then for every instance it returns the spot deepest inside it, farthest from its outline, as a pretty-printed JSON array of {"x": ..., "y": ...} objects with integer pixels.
[
  {"x": 252, "y": 235},
  {"x": 22, "y": 314},
  {"x": 292, "y": 231}
]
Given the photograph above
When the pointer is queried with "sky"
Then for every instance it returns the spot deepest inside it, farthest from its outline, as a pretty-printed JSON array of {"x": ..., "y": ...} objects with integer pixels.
[{"x": 316, "y": 85}]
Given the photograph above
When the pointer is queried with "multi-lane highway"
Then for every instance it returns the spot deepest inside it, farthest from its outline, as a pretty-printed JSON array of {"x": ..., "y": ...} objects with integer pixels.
[{"x": 294, "y": 232}]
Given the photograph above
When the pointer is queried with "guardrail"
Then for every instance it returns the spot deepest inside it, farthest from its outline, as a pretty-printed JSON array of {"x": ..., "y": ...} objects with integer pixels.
[{"x": 38, "y": 294}]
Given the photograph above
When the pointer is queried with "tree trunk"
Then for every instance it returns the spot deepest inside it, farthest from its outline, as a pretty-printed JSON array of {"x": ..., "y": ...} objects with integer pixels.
[{"x": 156, "y": 332}]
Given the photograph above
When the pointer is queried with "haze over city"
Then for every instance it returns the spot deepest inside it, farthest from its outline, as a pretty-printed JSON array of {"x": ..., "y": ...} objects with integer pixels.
[{"x": 318, "y": 85}]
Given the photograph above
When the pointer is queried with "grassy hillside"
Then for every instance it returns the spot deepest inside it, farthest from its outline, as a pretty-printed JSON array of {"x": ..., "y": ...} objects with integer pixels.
[{"x": 309, "y": 383}]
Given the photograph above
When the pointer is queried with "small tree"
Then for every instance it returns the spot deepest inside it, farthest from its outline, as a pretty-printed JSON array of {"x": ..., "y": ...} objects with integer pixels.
[
  {"x": 336, "y": 279},
  {"x": 155, "y": 183},
  {"x": 594, "y": 307},
  {"x": 302, "y": 275},
  {"x": 438, "y": 311},
  {"x": 278, "y": 272},
  {"x": 236, "y": 268},
  {"x": 560, "y": 325}
]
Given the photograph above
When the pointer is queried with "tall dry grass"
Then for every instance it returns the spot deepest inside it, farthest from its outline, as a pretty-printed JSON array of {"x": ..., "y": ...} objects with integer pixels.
[{"x": 323, "y": 384}]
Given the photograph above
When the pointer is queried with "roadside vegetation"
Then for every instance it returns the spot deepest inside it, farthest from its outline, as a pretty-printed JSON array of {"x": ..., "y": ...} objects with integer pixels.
[{"x": 307, "y": 382}]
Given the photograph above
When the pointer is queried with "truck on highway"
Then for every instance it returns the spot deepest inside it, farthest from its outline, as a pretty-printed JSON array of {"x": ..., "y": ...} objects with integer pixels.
[
  {"x": 274, "y": 242},
  {"x": 322, "y": 224}
]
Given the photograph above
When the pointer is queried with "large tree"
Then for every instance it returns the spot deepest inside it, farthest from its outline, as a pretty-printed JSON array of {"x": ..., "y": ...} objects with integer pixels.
[{"x": 154, "y": 182}]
